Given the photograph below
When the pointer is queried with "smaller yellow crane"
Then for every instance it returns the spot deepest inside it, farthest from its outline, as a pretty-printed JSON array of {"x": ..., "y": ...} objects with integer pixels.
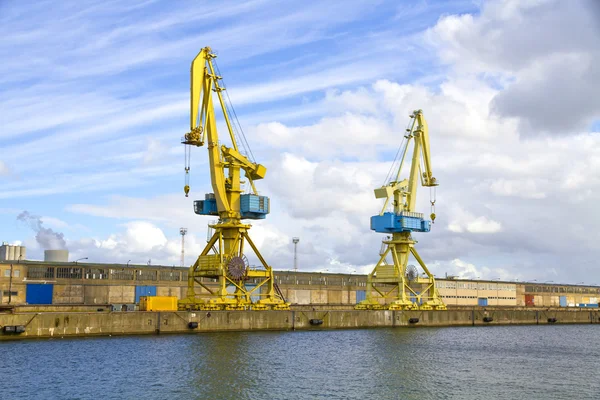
[{"x": 398, "y": 285}]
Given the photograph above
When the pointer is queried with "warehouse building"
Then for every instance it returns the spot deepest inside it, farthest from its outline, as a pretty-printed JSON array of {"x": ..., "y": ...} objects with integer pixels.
[{"x": 63, "y": 282}]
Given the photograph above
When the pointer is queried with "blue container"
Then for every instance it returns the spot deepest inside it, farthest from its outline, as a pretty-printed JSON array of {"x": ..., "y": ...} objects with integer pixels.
[
  {"x": 39, "y": 293},
  {"x": 361, "y": 295},
  {"x": 206, "y": 207},
  {"x": 482, "y": 302},
  {"x": 562, "y": 300},
  {"x": 144, "y": 291},
  {"x": 253, "y": 206},
  {"x": 392, "y": 223}
]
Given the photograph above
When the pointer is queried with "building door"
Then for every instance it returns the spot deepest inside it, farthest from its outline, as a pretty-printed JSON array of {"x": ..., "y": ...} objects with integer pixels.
[
  {"x": 39, "y": 293},
  {"x": 144, "y": 291},
  {"x": 562, "y": 301}
]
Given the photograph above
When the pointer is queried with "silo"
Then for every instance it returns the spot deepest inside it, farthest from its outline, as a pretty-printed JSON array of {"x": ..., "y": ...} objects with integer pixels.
[
  {"x": 56, "y": 255},
  {"x": 22, "y": 253},
  {"x": 11, "y": 253},
  {"x": 4, "y": 252}
]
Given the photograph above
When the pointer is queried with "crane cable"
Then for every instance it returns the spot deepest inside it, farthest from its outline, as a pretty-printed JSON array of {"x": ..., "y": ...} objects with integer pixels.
[
  {"x": 432, "y": 200},
  {"x": 238, "y": 134}
]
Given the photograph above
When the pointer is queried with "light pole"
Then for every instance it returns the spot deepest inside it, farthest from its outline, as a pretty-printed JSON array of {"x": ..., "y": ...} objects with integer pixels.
[
  {"x": 295, "y": 240},
  {"x": 182, "y": 232},
  {"x": 71, "y": 272},
  {"x": 128, "y": 262},
  {"x": 497, "y": 291},
  {"x": 10, "y": 284}
]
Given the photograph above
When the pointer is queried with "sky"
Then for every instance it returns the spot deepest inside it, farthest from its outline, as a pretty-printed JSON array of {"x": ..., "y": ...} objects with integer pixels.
[{"x": 94, "y": 100}]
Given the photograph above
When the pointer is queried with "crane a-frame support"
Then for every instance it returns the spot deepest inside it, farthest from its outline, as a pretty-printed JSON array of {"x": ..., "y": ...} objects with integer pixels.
[{"x": 239, "y": 285}]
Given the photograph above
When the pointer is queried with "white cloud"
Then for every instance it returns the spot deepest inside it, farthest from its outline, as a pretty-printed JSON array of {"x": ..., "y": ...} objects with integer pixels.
[{"x": 531, "y": 64}]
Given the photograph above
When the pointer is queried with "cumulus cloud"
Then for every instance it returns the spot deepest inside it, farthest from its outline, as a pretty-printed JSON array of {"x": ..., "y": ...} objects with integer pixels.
[
  {"x": 141, "y": 242},
  {"x": 548, "y": 73}
]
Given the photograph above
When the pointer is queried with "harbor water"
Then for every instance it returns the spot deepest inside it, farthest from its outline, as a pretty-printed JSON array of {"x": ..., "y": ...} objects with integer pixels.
[{"x": 500, "y": 362}]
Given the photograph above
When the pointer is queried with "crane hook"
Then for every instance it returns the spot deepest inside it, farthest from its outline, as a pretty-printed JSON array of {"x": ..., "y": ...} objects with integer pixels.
[{"x": 186, "y": 188}]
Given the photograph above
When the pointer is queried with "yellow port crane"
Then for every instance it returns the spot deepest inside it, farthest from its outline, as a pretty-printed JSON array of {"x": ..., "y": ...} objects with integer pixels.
[
  {"x": 240, "y": 286},
  {"x": 396, "y": 284}
]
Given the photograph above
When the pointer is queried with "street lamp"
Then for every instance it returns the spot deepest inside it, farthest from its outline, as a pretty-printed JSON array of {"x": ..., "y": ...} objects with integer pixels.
[
  {"x": 79, "y": 259},
  {"x": 295, "y": 240},
  {"x": 128, "y": 262}
]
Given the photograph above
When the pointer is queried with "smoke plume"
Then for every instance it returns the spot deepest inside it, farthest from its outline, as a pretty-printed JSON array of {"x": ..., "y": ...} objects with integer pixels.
[{"x": 46, "y": 237}]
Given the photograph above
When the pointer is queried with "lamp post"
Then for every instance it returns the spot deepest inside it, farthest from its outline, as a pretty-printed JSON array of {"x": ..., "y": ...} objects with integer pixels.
[
  {"x": 71, "y": 278},
  {"x": 295, "y": 240},
  {"x": 128, "y": 262},
  {"x": 10, "y": 284}
]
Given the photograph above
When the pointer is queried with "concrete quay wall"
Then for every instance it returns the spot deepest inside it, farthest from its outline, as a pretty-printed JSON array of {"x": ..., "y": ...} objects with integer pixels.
[{"x": 82, "y": 324}]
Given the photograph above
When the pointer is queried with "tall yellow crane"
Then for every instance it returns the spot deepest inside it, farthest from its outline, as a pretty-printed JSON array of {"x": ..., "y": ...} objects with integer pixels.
[
  {"x": 396, "y": 284},
  {"x": 240, "y": 286}
]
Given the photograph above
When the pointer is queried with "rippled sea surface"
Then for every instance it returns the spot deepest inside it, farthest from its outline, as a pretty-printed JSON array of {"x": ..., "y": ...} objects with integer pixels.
[{"x": 517, "y": 362}]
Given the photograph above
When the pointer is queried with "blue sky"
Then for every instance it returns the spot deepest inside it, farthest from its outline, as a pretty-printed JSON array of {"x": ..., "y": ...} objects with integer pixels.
[{"x": 95, "y": 101}]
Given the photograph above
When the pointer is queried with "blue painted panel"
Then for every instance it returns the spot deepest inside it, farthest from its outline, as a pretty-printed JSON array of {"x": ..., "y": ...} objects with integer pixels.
[
  {"x": 206, "y": 207},
  {"x": 482, "y": 302},
  {"x": 390, "y": 223},
  {"x": 562, "y": 301},
  {"x": 144, "y": 291},
  {"x": 361, "y": 295},
  {"x": 39, "y": 293}
]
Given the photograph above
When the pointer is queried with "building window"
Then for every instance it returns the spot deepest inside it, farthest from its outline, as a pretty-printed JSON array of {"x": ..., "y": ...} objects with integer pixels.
[
  {"x": 40, "y": 272},
  {"x": 17, "y": 273},
  {"x": 7, "y": 273},
  {"x": 68, "y": 273},
  {"x": 145, "y": 275},
  {"x": 171, "y": 276},
  {"x": 6, "y": 293},
  {"x": 96, "y": 273}
]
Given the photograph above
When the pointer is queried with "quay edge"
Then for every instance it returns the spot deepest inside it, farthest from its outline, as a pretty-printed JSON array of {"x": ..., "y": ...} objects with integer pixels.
[{"x": 86, "y": 324}]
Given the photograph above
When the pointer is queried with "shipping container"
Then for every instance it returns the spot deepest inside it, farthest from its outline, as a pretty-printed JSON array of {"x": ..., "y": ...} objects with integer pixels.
[
  {"x": 482, "y": 302},
  {"x": 39, "y": 293},
  {"x": 144, "y": 291},
  {"x": 158, "y": 303}
]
